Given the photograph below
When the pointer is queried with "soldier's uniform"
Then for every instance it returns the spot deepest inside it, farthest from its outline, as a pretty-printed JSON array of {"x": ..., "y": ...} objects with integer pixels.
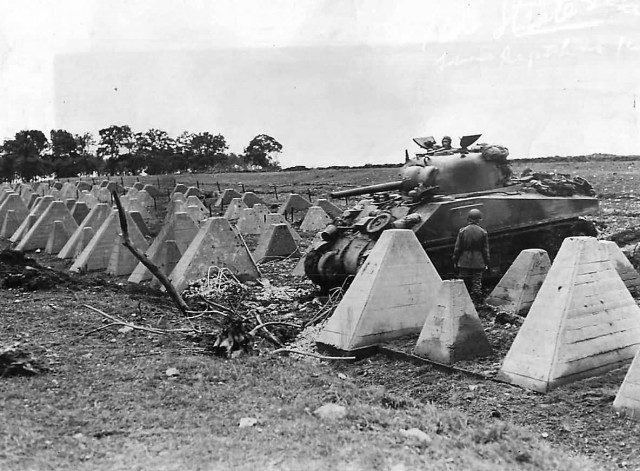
[{"x": 471, "y": 254}]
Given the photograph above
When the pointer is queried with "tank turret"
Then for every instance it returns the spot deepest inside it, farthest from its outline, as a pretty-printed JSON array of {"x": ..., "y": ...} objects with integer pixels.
[{"x": 433, "y": 196}]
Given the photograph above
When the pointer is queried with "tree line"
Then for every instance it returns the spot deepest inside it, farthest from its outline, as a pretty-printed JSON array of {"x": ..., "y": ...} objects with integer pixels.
[{"x": 120, "y": 151}]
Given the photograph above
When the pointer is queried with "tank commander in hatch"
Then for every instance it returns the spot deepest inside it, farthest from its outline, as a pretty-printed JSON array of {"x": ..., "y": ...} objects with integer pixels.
[
  {"x": 471, "y": 254},
  {"x": 446, "y": 143}
]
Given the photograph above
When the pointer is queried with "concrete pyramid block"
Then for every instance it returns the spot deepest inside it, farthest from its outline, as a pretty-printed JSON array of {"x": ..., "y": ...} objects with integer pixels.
[
  {"x": 623, "y": 266},
  {"x": 179, "y": 188},
  {"x": 182, "y": 229},
  {"x": 389, "y": 297},
  {"x": 131, "y": 192},
  {"x": 69, "y": 191},
  {"x": 452, "y": 330},
  {"x": 152, "y": 190},
  {"x": 315, "y": 220},
  {"x": 133, "y": 204},
  {"x": 13, "y": 202},
  {"x": 122, "y": 261},
  {"x": 26, "y": 193},
  {"x": 177, "y": 204},
  {"x": 294, "y": 203},
  {"x": 78, "y": 240},
  {"x": 331, "y": 209},
  {"x": 262, "y": 211},
  {"x": 89, "y": 198},
  {"x": 10, "y": 224},
  {"x": 79, "y": 211},
  {"x": 519, "y": 286},
  {"x": 58, "y": 236},
  {"x": 225, "y": 198},
  {"x": 275, "y": 218},
  {"x": 97, "y": 254},
  {"x": 250, "y": 199},
  {"x": 38, "y": 208},
  {"x": 103, "y": 195},
  {"x": 69, "y": 203},
  {"x": 249, "y": 223},
  {"x": 33, "y": 200},
  {"x": 627, "y": 400},
  {"x": 4, "y": 192},
  {"x": 217, "y": 244},
  {"x": 168, "y": 257},
  {"x": 234, "y": 209},
  {"x": 114, "y": 186},
  {"x": 146, "y": 200},
  {"x": 138, "y": 185},
  {"x": 38, "y": 234},
  {"x": 83, "y": 186},
  {"x": 138, "y": 219},
  {"x": 275, "y": 243},
  {"x": 55, "y": 193},
  {"x": 193, "y": 191},
  {"x": 582, "y": 323},
  {"x": 197, "y": 209}
]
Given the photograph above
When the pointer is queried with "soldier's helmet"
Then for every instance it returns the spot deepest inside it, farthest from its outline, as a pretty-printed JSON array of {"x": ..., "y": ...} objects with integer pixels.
[{"x": 474, "y": 215}]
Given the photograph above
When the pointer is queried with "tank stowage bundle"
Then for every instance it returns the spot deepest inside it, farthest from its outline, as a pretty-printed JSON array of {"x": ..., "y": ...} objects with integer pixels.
[{"x": 436, "y": 191}]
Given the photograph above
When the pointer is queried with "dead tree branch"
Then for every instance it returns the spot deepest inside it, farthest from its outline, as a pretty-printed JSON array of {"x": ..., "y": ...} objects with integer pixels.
[
  {"x": 314, "y": 355},
  {"x": 117, "y": 321},
  {"x": 126, "y": 241}
]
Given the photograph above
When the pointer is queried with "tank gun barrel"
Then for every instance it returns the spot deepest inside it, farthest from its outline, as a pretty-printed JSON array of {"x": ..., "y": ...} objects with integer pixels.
[{"x": 364, "y": 190}]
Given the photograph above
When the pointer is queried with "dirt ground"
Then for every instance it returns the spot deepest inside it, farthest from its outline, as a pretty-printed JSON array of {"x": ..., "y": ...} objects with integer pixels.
[{"x": 44, "y": 309}]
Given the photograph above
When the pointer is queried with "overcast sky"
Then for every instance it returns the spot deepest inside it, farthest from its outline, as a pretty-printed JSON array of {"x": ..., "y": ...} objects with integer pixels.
[{"x": 336, "y": 82}]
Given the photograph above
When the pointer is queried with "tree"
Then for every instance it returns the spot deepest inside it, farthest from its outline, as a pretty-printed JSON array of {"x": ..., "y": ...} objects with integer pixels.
[
  {"x": 87, "y": 162},
  {"x": 63, "y": 156},
  {"x": 152, "y": 152},
  {"x": 261, "y": 152},
  {"x": 207, "y": 151},
  {"x": 115, "y": 147},
  {"x": 23, "y": 154}
]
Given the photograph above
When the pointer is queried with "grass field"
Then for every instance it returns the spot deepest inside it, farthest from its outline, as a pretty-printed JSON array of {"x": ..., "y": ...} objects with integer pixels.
[{"x": 107, "y": 402}]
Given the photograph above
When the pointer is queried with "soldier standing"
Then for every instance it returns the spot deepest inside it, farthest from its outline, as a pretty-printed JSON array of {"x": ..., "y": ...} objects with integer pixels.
[{"x": 471, "y": 254}]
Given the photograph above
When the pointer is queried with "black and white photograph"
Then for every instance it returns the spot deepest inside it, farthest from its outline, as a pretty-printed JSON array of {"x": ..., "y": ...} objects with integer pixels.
[{"x": 319, "y": 235}]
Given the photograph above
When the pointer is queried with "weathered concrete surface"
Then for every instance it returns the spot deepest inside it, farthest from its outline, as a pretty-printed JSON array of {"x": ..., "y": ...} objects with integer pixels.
[
  {"x": 39, "y": 207},
  {"x": 78, "y": 240},
  {"x": 97, "y": 254},
  {"x": 181, "y": 229},
  {"x": 249, "y": 222},
  {"x": 234, "y": 209},
  {"x": 452, "y": 330},
  {"x": 217, "y": 244},
  {"x": 316, "y": 219},
  {"x": 582, "y": 323},
  {"x": 627, "y": 400},
  {"x": 623, "y": 266},
  {"x": 293, "y": 204},
  {"x": 276, "y": 242},
  {"x": 13, "y": 202},
  {"x": 250, "y": 199},
  {"x": 389, "y": 297},
  {"x": 226, "y": 197},
  {"x": 519, "y": 286}
]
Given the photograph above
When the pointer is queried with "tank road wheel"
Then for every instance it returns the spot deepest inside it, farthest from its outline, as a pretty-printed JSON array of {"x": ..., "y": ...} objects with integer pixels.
[
  {"x": 378, "y": 224},
  {"x": 311, "y": 260},
  {"x": 320, "y": 265}
]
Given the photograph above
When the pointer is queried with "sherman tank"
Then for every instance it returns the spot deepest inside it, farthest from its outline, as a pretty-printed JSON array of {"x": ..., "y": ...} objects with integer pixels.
[{"x": 436, "y": 190}]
